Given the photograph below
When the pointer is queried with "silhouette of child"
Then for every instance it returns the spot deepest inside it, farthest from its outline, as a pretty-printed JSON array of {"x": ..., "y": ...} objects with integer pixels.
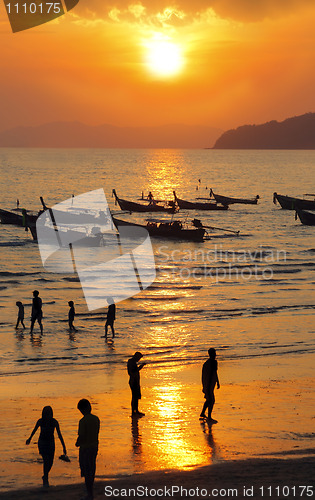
[
  {"x": 20, "y": 317},
  {"x": 87, "y": 440},
  {"x": 209, "y": 380},
  {"x": 37, "y": 312},
  {"x": 46, "y": 440},
  {"x": 71, "y": 316},
  {"x": 111, "y": 316}
]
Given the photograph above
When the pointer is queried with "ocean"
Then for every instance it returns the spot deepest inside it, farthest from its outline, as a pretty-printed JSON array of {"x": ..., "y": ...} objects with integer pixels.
[{"x": 250, "y": 296}]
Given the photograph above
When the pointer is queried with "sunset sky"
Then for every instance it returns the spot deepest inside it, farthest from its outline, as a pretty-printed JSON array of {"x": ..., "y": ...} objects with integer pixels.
[{"x": 221, "y": 63}]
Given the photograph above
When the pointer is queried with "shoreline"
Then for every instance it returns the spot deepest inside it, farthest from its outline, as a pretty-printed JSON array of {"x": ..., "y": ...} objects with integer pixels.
[
  {"x": 254, "y": 478},
  {"x": 170, "y": 440},
  {"x": 269, "y": 417}
]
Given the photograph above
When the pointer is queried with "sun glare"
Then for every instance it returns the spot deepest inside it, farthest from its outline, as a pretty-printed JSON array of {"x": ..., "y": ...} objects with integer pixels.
[{"x": 164, "y": 58}]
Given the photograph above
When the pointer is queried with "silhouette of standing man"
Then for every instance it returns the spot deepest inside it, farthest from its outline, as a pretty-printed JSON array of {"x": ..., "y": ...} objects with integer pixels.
[
  {"x": 134, "y": 382},
  {"x": 209, "y": 380},
  {"x": 37, "y": 312},
  {"x": 87, "y": 441}
]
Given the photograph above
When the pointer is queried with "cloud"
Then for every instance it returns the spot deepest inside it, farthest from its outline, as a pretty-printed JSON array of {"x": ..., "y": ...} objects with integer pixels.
[{"x": 184, "y": 11}]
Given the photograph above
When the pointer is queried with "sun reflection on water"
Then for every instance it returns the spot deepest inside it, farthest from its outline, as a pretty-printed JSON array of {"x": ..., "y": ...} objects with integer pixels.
[
  {"x": 165, "y": 172},
  {"x": 173, "y": 442}
]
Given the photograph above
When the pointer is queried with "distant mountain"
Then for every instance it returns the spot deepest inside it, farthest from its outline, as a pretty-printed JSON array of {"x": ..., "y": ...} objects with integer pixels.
[
  {"x": 79, "y": 135},
  {"x": 294, "y": 133}
]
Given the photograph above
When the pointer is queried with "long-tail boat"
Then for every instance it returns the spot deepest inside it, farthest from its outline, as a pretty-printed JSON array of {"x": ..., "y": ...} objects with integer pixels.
[
  {"x": 307, "y": 218},
  {"x": 290, "y": 203},
  {"x": 16, "y": 217},
  {"x": 190, "y": 205},
  {"x": 229, "y": 200},
  {"x": 172, "y": 230},
  {"x": 152, "y": 206}
]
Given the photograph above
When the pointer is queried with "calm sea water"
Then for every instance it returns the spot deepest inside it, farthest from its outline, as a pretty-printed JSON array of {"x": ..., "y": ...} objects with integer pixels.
[{"x": 249, "y": 296}]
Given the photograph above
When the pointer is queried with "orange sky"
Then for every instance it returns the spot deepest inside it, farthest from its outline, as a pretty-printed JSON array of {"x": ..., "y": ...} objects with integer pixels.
[{"x": 242, "y": 61}]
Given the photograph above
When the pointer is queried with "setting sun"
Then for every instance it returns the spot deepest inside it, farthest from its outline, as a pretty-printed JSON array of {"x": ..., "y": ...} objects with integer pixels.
[{"x": 164, "y": 58}]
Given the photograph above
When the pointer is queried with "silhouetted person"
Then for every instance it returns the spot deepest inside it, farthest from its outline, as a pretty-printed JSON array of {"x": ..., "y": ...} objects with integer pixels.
[
  {"x": 150, "y": 198},
  {"x": 71, "y": 316},
  {"x": 134, "y": 382},
  {"x": 89, "y": 427},
  {"x": 209, "y": 380},
  {"x": 111, "y": 316},
  {"x": 37, "y": 313},
  {"x": 20, "y": 318},
  {"x": 46, "y": 440}
]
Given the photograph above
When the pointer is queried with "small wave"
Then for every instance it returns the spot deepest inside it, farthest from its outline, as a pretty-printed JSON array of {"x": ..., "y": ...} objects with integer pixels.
[
  {"x": 163, "y": 286},
  {"x": 44, "y": 359},
  {"x": 303, "y": 435},
  {"x": 13, "y": 243},
  {"x": 21, "y": 273},
  {"x": 44, "y": 280}
]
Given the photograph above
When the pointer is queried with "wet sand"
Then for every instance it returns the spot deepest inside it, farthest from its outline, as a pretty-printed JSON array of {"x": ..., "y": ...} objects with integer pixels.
[
  {"x": 265, "y": 422},
  {"x": 260, "y": 478}
]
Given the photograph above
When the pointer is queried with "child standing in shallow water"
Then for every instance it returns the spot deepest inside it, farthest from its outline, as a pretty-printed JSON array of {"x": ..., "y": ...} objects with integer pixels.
[
  {"x": 71, "y": 316},
  {"x": 20, "y": 317}
]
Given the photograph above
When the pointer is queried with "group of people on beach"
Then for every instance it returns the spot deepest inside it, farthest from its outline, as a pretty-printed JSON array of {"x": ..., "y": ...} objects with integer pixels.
[
  {"x": 37, "y": 314},
  {"x": 210, "y": 380},
  {"x": 89, "y": 425}
]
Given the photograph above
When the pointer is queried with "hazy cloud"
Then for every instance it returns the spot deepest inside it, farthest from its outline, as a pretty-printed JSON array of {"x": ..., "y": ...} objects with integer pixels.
[{"x": 177, "y": 11}]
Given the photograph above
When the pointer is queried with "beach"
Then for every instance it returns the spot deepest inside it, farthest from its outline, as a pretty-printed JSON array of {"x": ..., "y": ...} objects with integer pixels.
[
  {"x": 250, "y": 297},
  {"x": 264, "y": 425},
  {"x": 269, "y": 478}
]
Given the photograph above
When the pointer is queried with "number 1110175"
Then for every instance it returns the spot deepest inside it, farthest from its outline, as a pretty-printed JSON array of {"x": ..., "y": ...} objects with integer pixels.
[{"x": 34, "y": 8}]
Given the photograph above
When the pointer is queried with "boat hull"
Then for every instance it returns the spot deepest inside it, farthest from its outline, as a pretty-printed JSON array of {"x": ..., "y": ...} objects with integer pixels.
[
  {"x": 307, "y": 218},
  {"x": 189, "y": 205},
  {"x": 13, "y": 218},
  {"x": 290, "y": 203},
  {"x": 132, "y": 206},
  {"x": 16, "y": 219},
  {"x": 227, "y": 200},
  {"x": 166, "y": 230}
]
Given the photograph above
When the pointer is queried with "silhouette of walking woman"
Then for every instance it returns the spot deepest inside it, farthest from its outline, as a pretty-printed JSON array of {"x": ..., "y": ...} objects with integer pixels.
[{"x": 46, "y": 440}]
